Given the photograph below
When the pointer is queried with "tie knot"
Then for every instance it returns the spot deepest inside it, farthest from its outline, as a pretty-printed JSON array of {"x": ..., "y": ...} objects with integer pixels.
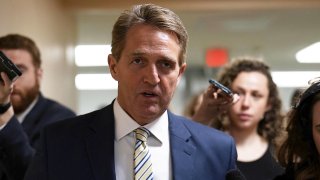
[{"x": 142, "y": 134}]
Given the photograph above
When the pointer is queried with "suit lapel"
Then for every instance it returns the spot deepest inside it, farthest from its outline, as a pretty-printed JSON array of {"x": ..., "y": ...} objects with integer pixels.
[
  {"x": 100, "y": 144},
  {"x": 34, "y": 115},
  {"x": 181, "y": 149}
]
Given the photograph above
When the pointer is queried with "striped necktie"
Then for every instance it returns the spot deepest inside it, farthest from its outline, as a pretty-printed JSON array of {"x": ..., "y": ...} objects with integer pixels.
[{"x": 142, "y": 156}]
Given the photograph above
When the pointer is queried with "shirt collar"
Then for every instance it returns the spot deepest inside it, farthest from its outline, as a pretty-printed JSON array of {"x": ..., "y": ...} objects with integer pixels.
[
  {"x": 124, "y": 124},
  {"x": 22, "y": 115}
]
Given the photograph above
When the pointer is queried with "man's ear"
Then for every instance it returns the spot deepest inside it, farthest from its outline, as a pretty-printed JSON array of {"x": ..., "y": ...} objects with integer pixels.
[
  {"x": 39, "y": 74},
  {"x": 181, "y": 71},
  {"x": 113, "y": 66}
]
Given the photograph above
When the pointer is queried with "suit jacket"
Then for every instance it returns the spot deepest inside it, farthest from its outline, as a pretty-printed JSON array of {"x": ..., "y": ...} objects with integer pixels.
[
  {"x": 82, "y": 148},
  {"x": 19, "y": 141}
]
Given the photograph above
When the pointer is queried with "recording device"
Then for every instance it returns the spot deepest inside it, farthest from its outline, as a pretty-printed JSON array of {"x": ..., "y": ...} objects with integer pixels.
[
  {"x": 224, "y": 89},
  {"x": 7, "y": 66},
  {"x": 234, "y": 174}
]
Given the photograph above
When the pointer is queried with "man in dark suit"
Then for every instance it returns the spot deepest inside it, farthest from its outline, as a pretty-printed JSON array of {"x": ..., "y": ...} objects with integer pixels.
[
  {"x": 24, "y": 111},
  {"x": 136, "y": 136}
]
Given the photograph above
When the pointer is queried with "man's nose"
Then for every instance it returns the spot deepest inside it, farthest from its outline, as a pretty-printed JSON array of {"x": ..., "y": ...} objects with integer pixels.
[{"x": 152, "y": 75}]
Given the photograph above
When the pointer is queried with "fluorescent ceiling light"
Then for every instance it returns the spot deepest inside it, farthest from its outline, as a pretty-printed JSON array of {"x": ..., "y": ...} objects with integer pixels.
[
  {"x": 95, "y": 82},
  {"x": 309, "y": 54},
  {"x": 293, "y": 78},
  {"x": 92, "y": 55}
]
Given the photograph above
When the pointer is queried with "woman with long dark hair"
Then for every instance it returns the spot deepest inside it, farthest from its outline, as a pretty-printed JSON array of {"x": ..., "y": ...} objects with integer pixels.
[{"x": 300, "y": 152}]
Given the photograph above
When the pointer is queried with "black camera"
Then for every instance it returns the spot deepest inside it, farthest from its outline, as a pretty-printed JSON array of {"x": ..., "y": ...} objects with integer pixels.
[{"x": 7, "y": 66}]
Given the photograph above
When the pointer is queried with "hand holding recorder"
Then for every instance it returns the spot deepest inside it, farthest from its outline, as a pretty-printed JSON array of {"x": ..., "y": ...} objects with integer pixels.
[
  {"x": 6, "y": 83},
  {"x": 7, "y": 66},
  {"x": 216, "y": 100},
  {"x": 224, "y": 90}
]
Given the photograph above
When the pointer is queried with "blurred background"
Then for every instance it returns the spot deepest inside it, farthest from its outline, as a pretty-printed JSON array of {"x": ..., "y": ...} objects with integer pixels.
[{"x": 71, "y": 35}]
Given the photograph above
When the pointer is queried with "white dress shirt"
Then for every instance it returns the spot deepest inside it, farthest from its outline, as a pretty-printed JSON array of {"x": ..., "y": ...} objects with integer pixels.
[{"x": 158, "y": 143}]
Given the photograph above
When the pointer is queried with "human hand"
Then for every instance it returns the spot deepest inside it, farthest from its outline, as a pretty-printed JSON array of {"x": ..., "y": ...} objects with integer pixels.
[
  {"x": 214, "y": 103},
  {"x": 6, "y": 87}
]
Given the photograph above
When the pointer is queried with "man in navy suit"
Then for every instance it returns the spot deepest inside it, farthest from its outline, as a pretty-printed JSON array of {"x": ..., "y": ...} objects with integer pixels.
[
  {"x": 24, "y": 111},
  {"x": 148, "y": 60}
]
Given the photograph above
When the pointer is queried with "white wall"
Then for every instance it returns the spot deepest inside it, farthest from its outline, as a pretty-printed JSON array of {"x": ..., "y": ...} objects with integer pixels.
[{"x": 53, "y": 30}]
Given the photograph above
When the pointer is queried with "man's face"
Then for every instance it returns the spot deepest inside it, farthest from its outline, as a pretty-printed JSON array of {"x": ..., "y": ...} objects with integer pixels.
[
  {"x": 26, "y": 87},
  {"x": 147, "y": 72}
]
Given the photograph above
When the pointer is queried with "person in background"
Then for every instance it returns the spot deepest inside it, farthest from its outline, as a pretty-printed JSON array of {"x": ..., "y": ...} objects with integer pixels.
[
  {"x": 300, "y": 152},
  {"x": 193, "y": 104},
  {"x": 136, "y": 136},
  {"x": 24, "y": 111},
  {"x": 295, "y": 96},
  {"x": 254, "y": 121}
]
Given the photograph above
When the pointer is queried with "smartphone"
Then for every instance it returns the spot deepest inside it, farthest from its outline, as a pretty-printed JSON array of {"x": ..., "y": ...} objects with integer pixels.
[
  {"x": 7, "y": 66},
  {"x": 224, "y": 89}
]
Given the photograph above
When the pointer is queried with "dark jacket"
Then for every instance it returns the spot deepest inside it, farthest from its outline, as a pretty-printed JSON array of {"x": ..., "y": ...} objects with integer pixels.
[
  {"x": 18, "y": 142},
  {"x": 82, "y": 148}
]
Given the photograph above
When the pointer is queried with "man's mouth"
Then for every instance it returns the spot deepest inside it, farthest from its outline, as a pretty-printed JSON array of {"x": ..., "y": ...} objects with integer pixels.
[{"x": 149, "y": 94}]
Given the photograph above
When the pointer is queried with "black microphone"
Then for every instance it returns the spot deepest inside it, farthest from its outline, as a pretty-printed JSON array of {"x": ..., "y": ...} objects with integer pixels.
[{"x": 235, "y": 174}]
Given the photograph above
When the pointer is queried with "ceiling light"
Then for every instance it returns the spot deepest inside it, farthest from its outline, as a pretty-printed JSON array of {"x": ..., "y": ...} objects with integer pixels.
[
  {"x": 309, "y": 54},
  {"x": 92, "y": 55},
  {"x": 293, "y": 78},
  {"x": 95, "y": 82}
]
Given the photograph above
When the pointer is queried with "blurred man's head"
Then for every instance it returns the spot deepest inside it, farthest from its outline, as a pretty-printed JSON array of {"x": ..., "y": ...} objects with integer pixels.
[{"x": 26, "y": 55}]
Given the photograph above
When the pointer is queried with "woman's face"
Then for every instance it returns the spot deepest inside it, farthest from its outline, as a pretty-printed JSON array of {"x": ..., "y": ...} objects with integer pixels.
[
  {"x": 252, "y": 88},
  {"x": 316, "y": 125}
]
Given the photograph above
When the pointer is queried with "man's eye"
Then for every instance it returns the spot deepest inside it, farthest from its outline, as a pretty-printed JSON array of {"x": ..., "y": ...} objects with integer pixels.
[
  {"x": 22, "y": 69},
  {"x": 166, "y": 64},
  {"x": 137, "y": 61}
]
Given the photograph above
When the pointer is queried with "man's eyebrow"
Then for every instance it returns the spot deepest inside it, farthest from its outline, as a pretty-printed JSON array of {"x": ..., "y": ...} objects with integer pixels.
[
  {"x": 137, "y": 53},
  {"x": 21, "y": 66},
  {"x": 163, "y": 57}
]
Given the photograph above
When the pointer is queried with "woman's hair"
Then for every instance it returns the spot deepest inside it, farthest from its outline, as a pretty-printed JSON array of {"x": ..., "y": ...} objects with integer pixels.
[
  {"x": 270, "y": 126},
  {"x": 193, "y": 105},
  {"x": 149, "y": 14},
  {"x": 17, "y": 41},
  {"x": 295, "y": 96},
  {"x": 298, "y": 152}
]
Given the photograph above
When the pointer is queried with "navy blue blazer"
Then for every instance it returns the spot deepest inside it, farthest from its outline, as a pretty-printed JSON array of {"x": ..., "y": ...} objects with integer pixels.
[
  {"x": 82, "y": 148},
  {"x": 19, "y": 141}
]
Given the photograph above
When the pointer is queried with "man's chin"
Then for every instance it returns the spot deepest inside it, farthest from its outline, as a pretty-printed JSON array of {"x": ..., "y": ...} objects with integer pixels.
[
  {"x": 19, "y": 107},
  {"x": 18, "y": 104},
  {"x": 16, "y": 99}
]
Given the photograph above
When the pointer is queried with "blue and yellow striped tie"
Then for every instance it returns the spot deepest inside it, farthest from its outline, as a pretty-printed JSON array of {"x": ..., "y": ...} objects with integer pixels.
[{"x": 142, "y": 156}]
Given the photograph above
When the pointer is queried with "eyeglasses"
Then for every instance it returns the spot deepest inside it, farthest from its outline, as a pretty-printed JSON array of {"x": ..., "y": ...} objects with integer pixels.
[{"x": 310, "y": 91}]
